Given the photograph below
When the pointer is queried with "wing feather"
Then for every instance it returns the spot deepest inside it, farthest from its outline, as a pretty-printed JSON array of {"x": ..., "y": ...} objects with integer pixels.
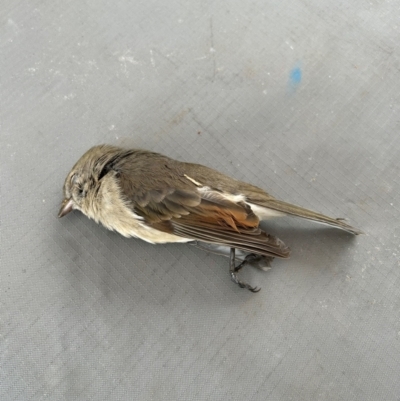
[
  {"x": 173, "y": 204},
  {"x": 212, "y": 219}
]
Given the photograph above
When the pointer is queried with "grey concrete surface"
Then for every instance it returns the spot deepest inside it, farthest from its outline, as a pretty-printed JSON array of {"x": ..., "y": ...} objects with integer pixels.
[{"x": 298, "y": 97}]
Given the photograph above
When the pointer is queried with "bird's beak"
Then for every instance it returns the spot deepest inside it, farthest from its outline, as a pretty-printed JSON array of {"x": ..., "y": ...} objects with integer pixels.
[{"x": 66, "y": 207}]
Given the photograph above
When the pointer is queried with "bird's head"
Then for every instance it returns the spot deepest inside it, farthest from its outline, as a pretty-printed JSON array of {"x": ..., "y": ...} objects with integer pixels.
[{"x": 83, "y": 181}]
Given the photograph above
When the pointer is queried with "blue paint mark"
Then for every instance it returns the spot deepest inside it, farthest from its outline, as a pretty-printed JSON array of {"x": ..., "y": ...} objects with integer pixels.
[
  {"x": 295, "y": 76},
  {"x": 294, "y": 79}
]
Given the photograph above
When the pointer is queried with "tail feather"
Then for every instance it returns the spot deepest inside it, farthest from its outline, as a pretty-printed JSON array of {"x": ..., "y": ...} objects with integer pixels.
[{"x": 287, "y": 208}]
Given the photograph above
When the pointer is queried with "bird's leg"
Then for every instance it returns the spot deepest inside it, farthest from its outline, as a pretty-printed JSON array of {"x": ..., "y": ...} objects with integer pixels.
[{"x": 233, "y": 270}]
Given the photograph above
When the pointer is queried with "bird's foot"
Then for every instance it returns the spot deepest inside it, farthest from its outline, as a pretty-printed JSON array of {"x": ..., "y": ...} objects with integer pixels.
[{"x": 233, "y": 270}]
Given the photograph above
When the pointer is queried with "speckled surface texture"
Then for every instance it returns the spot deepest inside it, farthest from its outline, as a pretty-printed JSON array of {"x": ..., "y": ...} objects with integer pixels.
[{"x": 298, "y": 97}]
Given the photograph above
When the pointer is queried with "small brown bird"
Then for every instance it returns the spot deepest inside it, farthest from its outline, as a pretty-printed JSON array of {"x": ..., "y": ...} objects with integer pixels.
[{"x": 150, "y": 196}]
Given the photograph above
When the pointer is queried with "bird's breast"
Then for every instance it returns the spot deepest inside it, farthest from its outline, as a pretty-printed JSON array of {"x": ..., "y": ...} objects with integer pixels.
[{"x": 116, "y": 214}]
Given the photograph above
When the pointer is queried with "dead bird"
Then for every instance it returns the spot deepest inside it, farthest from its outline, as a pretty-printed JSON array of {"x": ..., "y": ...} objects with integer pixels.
[{"x": 143, "y": 194}]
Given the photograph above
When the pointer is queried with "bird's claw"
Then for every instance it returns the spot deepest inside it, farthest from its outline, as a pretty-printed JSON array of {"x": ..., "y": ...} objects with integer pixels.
[{"x": 233, "y": 270}]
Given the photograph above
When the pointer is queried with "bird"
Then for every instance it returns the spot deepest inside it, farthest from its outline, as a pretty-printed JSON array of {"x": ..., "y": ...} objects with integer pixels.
[{"x": 146, "y": 195}]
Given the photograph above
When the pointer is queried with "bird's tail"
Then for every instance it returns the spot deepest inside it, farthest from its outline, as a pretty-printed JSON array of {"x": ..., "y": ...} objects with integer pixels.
[{"x": 293, "y": 210}]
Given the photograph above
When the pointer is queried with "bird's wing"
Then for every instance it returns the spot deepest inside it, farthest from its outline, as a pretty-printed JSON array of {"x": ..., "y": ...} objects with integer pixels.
[
  {"x": 203, "y": 214},
  {"x": 158, "y": 189}
]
